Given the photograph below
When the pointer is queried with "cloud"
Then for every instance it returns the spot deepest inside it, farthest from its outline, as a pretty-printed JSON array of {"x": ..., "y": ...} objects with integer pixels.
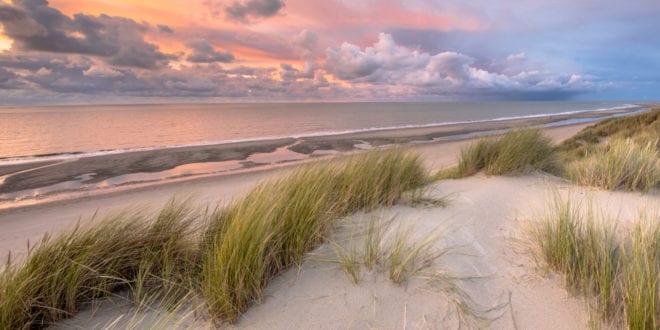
[
  {"x": 516, "y": 57},
  {"x": 203, "y": 52},
  {"x": 381, "y": 63},
  {"x": 35, "y": 26},
  {"x": 8, "y": 80},
  {"x": 253, "y": 9},
  {"x": 387, "y": 64},
  {"x": 288, "y": 72},
  {"x": 165, "y": 29},
  {"x": 61, "y": 77},
  {"x": 305, "y": 43},
  {"x": 101, "y": 71}
]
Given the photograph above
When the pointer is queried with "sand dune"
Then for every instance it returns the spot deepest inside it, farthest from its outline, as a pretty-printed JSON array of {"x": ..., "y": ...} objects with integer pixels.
[{"x": 489, "y": 277}]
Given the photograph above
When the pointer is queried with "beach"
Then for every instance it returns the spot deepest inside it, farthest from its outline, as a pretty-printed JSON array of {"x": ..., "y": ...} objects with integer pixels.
[
  {"x": 303, "y": 164},
  {"x": 484, "y": 225},
  {"x": 30, "y": 222},
  {"x": 73, "y": 177}
]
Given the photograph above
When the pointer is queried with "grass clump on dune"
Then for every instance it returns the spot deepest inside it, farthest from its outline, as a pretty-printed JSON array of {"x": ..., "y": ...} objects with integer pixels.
[
  {"x": 619, "y": 272},
  {"x": 516, "y": 152},
  {"x": 269, "y": 229},
  {"x": 641, "y": 128},
  {"x": 125, "y": 251},
  {"x": 618, "y": 153},
  {"x": 169, "y": 256},
  {"x": 619, "y": 164}
]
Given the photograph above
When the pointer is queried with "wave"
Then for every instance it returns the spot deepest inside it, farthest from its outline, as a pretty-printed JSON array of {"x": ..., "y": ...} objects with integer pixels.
[{"x": 83, "y": 154}]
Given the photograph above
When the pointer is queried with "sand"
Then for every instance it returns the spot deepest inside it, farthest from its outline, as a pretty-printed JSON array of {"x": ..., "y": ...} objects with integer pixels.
[{"x": 483, "y": 225}]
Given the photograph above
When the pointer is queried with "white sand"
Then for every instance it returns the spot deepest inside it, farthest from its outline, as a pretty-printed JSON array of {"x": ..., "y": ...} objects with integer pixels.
[{"x": 484, "y": 226}]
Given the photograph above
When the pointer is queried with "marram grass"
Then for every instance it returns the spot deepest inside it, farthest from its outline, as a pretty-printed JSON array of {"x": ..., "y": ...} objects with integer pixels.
[
  {"x": 641, "y": 128},
  {"x": 269, "y": 229},
  {"x": 516, "y": 152},
  {"x": 127, "y": 250},
  {"x": 619, "y": 153},
  {"x": 620, "y": 273},
  {"x": 227, "y": 262},
  {"x": 619, "y": 164}
]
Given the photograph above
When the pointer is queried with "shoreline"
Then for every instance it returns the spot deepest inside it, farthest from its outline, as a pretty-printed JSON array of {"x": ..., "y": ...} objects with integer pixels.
[
  {"x": 443, "y": 128},
  {"x": 30, "y": 222},
  {"x": 45, "y": 182}
]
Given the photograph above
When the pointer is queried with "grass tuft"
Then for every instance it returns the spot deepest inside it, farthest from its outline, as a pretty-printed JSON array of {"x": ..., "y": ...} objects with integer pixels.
[
  {"x": 409, "y": 255},
  {"x": 516, "y": 152},
  {"x": 170, "y": 257},
  {"x": 127, "y": 250},
  {"x": 349, "y": 259},
  {"x": 270, "y": 228},
  {"x": 619, "y": 273},
  {"x": 619, "y": 164},
  {"x": 641, "y": 128}
]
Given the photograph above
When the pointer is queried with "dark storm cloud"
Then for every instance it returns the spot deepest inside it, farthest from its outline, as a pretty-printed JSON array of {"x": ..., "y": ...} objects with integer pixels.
[
  {"x": 253, "y": 9},
  {"x": 203, "y": 52},
  {"x": 57, "y": 75},
  {"x": 35, "y": 26}
]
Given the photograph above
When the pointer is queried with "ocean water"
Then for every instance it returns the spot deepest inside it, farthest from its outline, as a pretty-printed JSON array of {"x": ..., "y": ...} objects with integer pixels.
[{"x": 69, "y": 131}]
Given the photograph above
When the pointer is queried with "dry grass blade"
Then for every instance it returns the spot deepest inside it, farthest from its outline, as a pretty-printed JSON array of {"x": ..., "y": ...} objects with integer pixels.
[{"x": 620, "y": 273}]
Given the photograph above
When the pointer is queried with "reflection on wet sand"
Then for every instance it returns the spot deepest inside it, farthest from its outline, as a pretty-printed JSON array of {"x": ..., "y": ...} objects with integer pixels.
[{"x": 82, "y": 182}]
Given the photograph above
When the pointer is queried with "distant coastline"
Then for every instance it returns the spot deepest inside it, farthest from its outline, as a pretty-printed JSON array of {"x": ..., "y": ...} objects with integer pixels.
[
  {"x": 74, "y": 174},
  {"x": 594, "y": 114}
]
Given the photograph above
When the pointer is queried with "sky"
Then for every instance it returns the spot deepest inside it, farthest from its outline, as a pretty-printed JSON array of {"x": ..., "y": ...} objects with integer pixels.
[{"x": 123, "y": 51}]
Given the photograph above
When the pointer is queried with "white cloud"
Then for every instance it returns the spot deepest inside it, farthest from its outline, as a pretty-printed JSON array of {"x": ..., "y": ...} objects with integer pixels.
[
  {"x": 575, "y": 78},
  {"x": 386, "y": 63},
  {"x": 43, "y": 72},
  {"x": 516, "y": 57}
]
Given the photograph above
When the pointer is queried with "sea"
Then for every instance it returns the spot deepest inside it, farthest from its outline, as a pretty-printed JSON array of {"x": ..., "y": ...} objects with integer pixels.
[{"x": 31, "y": 133}]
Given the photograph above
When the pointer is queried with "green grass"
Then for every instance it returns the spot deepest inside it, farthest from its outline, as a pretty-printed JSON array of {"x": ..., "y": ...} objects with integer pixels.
[
  {"x": 617, "y": 153},
  {"x": 125, "y": 251},
  {"x": 618, "y": 272},
  {"x": 619, "y": 164},
  {"x": 227, "y": 261},
  {"x": 516, "y": 152},
  {"x": 270, "y": 229},
  {"x": 641, "y": 128}
]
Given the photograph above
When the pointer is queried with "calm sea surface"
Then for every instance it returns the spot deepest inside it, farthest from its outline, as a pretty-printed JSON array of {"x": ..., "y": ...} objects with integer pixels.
[{"x": 30, "y": 131}]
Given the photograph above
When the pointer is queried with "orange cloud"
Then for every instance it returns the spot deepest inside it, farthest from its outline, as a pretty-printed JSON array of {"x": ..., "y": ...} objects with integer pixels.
[{"x": 363, "y": 20}]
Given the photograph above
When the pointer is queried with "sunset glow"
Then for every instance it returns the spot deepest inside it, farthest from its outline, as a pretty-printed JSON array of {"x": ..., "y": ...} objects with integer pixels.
[{"x": 300, "y": 49}]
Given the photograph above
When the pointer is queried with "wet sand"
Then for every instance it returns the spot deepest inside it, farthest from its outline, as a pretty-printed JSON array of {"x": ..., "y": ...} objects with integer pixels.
[
  {"x": 345, "y": 142},
  {"x": 108, "y": 166}
]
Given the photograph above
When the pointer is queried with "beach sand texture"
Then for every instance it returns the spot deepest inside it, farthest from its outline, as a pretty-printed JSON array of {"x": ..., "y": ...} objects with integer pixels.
[{"x": 483, "y": 226}]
